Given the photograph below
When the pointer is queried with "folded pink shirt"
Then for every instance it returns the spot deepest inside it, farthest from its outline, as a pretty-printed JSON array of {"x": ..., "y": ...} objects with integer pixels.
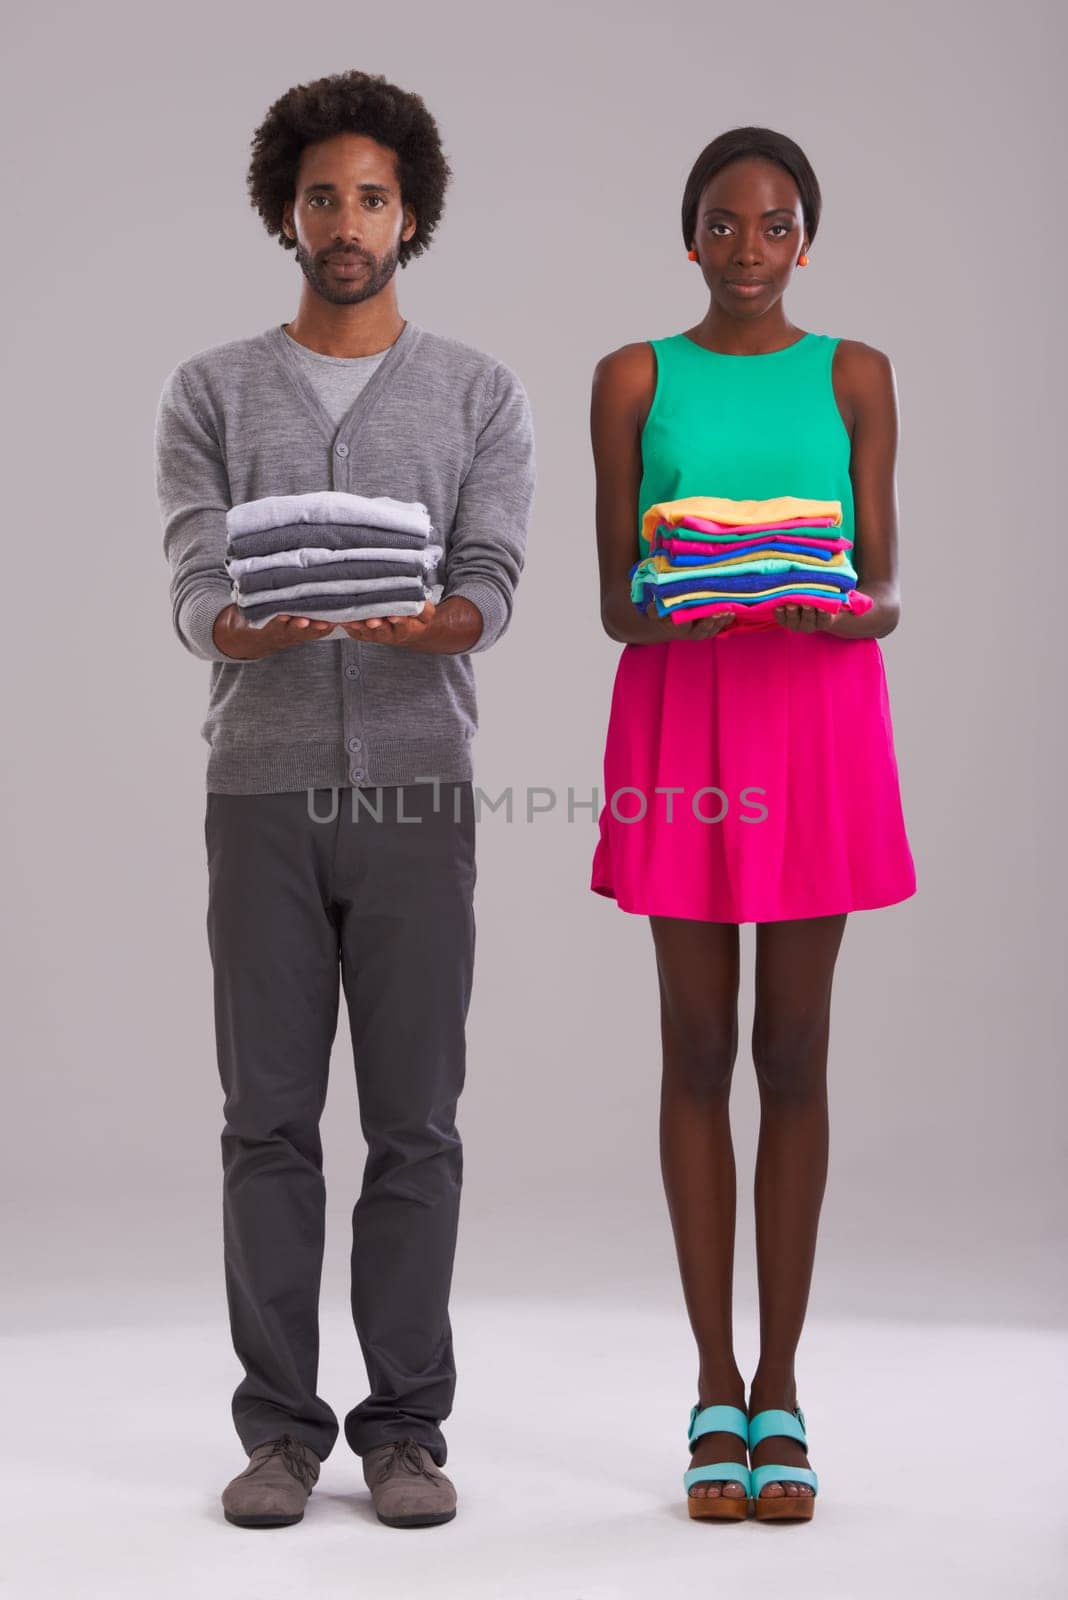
[
  {"x": 762, "y": 614},
  {"x": 703, "y": 525}
]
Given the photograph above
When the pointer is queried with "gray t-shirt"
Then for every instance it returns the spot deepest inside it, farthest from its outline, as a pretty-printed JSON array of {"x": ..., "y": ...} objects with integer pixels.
[{"x": 337, "y": 380}]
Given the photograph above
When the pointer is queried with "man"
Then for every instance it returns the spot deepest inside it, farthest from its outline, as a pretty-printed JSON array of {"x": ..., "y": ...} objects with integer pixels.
[{"x": 340, "y": 811}]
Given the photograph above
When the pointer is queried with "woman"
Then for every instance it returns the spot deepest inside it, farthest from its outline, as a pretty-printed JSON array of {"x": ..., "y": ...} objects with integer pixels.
[{"x": 791, "y": 721}]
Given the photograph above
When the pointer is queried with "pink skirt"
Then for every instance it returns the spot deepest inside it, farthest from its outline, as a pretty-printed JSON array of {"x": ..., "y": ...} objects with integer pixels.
[{"x": 779, "y": 748}]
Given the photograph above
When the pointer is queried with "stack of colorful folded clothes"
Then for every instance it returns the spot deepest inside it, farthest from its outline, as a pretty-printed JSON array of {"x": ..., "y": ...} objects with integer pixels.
[
  {"x": 331, "y": 555},
  {"x": 709, "y": 555}
]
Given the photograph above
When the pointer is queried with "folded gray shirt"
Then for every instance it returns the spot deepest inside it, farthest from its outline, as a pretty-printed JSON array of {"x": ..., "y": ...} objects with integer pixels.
[
  {"x": 325, "y": 535},
  {"x": 368, "y": 605},
  {"x": 354, "y": 572}
]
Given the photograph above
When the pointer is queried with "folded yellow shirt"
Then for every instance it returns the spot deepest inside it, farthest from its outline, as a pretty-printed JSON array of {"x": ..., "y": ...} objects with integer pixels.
[{"x": 742, "y": 512}]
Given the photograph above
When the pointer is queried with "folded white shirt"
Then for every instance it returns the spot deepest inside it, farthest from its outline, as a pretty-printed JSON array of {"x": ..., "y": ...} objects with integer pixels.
[
  {"x": 328, "y": 505},
  {"x": 359, "y": 611},
  {"x": 356, "y": 613},
  {"x": 314, "y": 555}
]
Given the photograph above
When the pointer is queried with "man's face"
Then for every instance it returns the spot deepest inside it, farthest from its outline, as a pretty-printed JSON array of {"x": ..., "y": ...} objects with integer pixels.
[{"x": 348, "y": 217}]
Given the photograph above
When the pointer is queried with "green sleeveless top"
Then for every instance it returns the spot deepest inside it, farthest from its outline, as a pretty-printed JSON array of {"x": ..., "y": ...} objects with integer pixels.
[{"x": 747, "y": 427}]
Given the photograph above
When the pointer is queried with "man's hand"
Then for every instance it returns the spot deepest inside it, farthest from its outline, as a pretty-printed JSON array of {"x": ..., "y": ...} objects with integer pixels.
[
  {"x": 447, "y": 629},
  {"x": 235, "y": 636},
  {"x": 392, "y": 630}
]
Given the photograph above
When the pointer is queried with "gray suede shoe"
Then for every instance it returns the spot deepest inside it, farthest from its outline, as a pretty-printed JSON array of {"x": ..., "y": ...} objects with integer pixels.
[
  {"x": 407, "y": 1489},
  {"x": 274, "y": 1488}
]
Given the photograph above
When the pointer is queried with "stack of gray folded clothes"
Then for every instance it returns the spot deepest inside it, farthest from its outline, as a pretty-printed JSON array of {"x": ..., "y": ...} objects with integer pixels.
[{"x": 331, "y": 555}]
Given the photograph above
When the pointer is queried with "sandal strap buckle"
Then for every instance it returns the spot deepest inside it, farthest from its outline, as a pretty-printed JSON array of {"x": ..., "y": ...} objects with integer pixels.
[{"x": 717, "y": 1419}]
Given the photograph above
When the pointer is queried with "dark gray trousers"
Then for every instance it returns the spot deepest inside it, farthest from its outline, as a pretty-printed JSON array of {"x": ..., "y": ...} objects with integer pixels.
[{"x": 298, "y": 908}]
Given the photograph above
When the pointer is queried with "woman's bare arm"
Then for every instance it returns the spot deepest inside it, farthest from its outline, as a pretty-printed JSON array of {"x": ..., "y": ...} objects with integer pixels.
[
  {"x": 623, "y": 386},
  {"x": 866, "y": 392}
]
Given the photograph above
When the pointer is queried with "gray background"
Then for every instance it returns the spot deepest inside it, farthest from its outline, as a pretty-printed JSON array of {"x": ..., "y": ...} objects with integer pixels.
[{"x": 131, "y": 245}]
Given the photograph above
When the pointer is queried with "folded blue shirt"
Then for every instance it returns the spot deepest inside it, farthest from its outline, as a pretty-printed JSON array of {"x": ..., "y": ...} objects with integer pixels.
[
  {"x": 741, "y": 600},
  {"x": 750, "y": 583},
  {"x": 747, "y": 583}
]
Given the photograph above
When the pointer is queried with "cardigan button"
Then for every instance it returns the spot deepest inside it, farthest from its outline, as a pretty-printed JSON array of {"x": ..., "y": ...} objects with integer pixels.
[{"x": 341, "y": 449}]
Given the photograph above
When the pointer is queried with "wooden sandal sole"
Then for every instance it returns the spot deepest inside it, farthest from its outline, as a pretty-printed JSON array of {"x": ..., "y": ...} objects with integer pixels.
[
  {"x": 784, "y": 1507},
  {"x": 718, "y": 1507}
]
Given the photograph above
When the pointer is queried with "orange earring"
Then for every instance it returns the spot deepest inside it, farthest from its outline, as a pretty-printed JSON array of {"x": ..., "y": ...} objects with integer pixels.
[
  {"x": 802, "y": 260},
  {"x": 691, "y": 255}
]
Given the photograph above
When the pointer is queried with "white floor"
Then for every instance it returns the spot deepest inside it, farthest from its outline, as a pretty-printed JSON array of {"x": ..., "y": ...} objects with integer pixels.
[{"x": 940, "y": 1452}]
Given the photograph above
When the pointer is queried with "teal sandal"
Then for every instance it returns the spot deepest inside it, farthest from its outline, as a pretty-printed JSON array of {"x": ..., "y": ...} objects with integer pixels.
[
  {"x": 788, "y": 1507},
  {"x": 718, "y": 1419}
]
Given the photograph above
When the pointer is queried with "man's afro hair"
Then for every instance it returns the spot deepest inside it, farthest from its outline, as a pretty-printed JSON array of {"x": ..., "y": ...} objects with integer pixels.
[{"x": 350, "y": 102}]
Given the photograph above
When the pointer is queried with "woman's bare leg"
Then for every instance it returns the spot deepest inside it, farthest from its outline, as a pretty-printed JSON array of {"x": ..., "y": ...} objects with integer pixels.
[
  {"x": 791, "y": 1028},
  {"x": 697, "y": 967}
]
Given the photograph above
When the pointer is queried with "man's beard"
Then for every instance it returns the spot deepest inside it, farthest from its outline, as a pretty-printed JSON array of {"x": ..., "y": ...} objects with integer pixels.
[{"x": 348, "y": 292}]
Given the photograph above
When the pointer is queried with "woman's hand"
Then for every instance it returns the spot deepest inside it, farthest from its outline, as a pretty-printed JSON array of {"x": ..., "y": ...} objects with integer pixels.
[
  {"x": 879, "y": 619},
  {"x": 697, "y": 628},
  {"x": 805, "y": 619}
]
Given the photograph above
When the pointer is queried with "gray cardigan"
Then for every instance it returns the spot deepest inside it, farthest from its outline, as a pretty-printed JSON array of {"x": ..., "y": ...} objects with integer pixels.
[{"x": 439, "y": 422}]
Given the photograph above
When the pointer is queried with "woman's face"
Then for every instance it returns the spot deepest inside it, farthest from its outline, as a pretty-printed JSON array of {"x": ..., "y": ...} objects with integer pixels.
[{"x": 748, "y": 234}]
